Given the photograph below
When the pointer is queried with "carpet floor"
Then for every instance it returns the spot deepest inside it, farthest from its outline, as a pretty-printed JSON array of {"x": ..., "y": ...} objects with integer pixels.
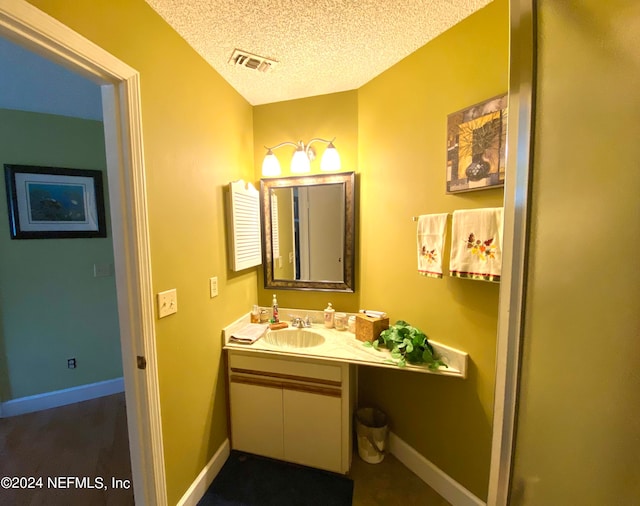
[{"x": 249, "y": 480}]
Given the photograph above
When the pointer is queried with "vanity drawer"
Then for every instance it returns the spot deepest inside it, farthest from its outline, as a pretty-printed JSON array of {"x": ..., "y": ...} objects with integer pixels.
[{"x": 285, "y": 369}]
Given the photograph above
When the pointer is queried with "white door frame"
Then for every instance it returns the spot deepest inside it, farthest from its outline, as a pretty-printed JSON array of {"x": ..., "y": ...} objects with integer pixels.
[
  {"x": 26, "y": 25},
  {"x": 515, "y": 245}
]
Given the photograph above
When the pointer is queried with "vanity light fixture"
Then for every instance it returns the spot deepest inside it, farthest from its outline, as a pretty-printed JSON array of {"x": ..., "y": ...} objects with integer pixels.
[{"x": 302, "y": 158}]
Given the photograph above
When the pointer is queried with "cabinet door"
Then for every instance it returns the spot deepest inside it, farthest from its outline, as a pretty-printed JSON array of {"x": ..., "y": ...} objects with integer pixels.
[
  {"x": 256, "y": 419},
  {"x": 312, "y": 430}
]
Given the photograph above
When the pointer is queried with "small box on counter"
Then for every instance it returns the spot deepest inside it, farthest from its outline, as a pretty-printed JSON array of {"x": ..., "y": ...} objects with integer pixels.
[{"x": 368, "y": 328}]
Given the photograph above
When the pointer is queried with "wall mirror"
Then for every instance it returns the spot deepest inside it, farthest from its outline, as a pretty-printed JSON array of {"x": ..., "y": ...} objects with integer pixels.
[{"x": 308, "y": 232}]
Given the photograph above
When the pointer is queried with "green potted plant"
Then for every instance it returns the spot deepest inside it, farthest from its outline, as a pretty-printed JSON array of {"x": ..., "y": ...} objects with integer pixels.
[{"x": 408, "y": 345}]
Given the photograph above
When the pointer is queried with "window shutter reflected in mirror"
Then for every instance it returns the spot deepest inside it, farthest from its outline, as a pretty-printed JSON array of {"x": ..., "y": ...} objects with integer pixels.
[{"x": 275, "y": 229}]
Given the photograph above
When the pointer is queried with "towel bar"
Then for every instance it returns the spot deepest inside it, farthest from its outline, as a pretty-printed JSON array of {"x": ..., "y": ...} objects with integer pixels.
[{"x": 416, "y": 218}]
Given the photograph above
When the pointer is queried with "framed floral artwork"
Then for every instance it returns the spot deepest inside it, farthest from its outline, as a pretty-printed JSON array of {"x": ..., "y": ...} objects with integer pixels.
[{"x": 476, "y": 140}]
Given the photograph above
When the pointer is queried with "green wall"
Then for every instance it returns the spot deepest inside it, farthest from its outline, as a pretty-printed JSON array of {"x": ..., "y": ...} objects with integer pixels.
[{"x": 53, "y": 308}]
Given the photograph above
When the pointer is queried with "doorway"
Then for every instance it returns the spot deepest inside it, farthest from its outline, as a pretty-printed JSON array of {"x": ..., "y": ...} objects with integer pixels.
[
  {"x": 59, "y": 321},
  {"x": 25, "y": 25}
]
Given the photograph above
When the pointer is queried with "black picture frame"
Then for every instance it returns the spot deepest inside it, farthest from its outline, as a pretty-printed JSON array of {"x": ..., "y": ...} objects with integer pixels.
[{"x": 54, "y": 202}]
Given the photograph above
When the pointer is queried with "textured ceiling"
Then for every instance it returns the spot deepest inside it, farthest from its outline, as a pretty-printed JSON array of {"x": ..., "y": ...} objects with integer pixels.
[{"x": 321, "y": 46}]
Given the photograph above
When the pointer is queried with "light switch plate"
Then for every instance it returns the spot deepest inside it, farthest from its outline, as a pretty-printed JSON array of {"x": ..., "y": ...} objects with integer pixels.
[
  {"x": 167, "y": 303},
  {"x": 213, "y": 286},
  {"x": 102, "y": 270}
]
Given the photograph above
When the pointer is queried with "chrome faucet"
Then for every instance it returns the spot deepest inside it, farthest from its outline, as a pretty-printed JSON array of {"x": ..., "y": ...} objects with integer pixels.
[{"x": 298, "y": 322}]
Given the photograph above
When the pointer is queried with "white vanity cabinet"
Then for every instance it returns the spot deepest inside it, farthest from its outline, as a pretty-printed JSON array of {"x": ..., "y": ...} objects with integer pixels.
[
  {"x": 256, "y": 419},
  {"x": 292, "y": 409}
]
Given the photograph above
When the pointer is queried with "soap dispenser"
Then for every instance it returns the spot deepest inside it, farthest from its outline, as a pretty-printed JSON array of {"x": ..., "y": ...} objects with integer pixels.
[
  {"x": 274, "y": 308},
  {"x": 329, "y": 314},
  {"x": 255, "y": 314}
]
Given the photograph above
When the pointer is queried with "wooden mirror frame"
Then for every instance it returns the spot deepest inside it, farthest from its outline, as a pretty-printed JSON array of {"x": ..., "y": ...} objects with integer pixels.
[{"x": 348, "y": 283}]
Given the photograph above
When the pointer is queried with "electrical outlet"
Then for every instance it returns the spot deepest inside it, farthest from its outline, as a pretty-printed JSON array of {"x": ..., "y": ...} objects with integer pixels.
[
  {"x": 71, "y": 363},
  {"x": 167, "y": 303},
  {"x": 213, "y": 286}
]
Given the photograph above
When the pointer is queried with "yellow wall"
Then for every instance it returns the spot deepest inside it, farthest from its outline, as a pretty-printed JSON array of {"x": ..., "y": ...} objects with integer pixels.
[
  {"x": 402, "y": 152},
  {"x": 579, "y": 416},
  {"x": 395, "y": 137},
  {"x": 579, "y": 423},
  {"x": 197, "y": 138},
  {"x": 199, "y": 135},
  {"x": 324, "y": 116}
]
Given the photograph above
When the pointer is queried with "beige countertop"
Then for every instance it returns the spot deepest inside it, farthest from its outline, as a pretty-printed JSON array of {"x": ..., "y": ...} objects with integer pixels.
[{"x": 342, "y": 346}]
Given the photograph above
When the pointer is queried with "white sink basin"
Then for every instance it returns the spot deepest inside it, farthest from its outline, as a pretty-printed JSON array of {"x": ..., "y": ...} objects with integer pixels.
[{"x": 293, "y": 338}]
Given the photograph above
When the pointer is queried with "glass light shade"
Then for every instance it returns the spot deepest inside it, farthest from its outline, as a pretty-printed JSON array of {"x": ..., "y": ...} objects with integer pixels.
[
  {"x": 270, "y": 165},
  {"x": 300, "y": 162},
  {"x": 330, "y": 159}
]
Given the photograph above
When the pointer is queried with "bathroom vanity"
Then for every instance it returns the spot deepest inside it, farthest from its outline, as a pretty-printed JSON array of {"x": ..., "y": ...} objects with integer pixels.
[
  {"x": 292, "y": 393},
  {"x": 296, "y": 410}
]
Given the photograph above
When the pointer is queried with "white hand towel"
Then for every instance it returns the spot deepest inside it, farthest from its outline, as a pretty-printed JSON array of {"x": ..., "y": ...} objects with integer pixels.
[
  {"x": 431, "y": 233},
  {"x": 249, "y": 333},
  {"x": 476, "y": 244}
]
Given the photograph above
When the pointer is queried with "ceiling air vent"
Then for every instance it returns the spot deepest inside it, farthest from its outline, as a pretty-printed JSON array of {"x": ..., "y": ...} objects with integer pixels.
[{"x": 241, "y": 58}]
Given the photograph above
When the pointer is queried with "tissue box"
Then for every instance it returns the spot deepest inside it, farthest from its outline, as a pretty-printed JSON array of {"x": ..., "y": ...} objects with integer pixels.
[{"x": 368, "y": 329}]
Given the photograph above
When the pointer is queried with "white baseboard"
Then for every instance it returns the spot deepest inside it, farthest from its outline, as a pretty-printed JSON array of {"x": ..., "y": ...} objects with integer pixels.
[
  {"x": 200, "y": 485},
  {"x": 58, "y": 398},
  {"x": 432, "y": 475}
]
